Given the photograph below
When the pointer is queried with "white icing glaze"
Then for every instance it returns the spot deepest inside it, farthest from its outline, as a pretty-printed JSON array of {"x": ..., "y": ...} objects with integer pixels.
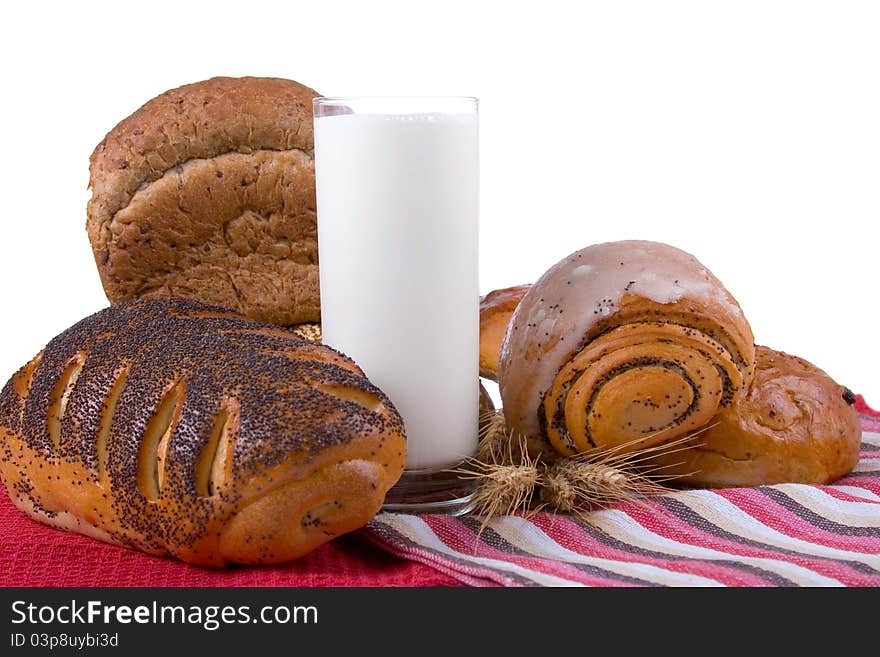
[{"x": 577, "y": 292}]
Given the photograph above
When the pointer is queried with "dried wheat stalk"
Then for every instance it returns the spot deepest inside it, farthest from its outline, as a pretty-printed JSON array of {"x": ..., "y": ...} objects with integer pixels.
[{"x": 509, "y": 480}]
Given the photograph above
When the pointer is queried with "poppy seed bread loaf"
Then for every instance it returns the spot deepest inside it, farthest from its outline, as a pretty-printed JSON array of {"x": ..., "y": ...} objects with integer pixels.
[
  {"x": 207, "y": 192},
  {"x": 177, "y": 428}
]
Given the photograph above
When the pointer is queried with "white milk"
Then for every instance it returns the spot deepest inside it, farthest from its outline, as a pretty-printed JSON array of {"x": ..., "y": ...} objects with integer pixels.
[{"x": 397, "y": 237}]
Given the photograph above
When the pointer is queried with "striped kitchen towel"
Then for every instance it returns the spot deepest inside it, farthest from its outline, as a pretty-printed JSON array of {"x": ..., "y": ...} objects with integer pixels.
[{"x": 783, "y": 535}]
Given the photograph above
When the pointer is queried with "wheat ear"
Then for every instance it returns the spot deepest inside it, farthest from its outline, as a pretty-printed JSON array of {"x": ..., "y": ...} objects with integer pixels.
[
  {"x": 507, "y": 481},
  {"x": 509, "y": 478}
]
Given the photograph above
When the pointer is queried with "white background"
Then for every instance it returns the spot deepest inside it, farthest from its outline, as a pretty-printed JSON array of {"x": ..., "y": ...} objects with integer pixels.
[{"x": 747, "y": 133}]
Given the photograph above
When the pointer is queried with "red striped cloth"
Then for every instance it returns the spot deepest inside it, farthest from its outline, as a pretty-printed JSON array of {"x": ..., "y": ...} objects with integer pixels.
[
  {"x": 771, "y": 536},
  {"x": 784, "y": 535}
]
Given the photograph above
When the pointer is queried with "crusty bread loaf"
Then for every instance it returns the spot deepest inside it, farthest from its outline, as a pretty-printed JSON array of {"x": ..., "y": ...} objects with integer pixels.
[
  {"x": 208, "y": 192},
  {"x": 178, "y": 428},
  {"x": 795, "y": 424}
]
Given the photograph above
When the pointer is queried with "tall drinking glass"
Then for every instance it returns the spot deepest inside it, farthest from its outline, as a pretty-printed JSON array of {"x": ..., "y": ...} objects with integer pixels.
[{"x": 398, "y": 197}]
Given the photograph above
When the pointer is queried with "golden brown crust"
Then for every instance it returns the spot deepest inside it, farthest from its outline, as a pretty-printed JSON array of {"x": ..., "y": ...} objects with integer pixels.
[
  {"x": 496, "y": 308},
  {"x": 207, "y": 192},
  {"x": 795, "y": 425},
  {"x": 174, "y": 427}
]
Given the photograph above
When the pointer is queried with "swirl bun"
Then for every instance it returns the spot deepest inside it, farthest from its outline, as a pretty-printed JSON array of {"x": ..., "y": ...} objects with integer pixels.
[
  {"x": 795, "y": 424},
  {"x": 628, "y": 342}
]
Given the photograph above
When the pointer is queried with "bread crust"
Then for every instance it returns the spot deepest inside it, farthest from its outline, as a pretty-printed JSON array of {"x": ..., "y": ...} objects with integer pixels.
[
  {"x": 496, "y": 308},
  {"x": 177, "y": 428},
  {"x": 794, "y": 425},
  {"x": 207, "y": 192}
]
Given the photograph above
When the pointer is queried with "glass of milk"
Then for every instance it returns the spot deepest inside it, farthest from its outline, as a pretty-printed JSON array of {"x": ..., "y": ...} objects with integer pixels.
[{"x": 398, "y": 197}]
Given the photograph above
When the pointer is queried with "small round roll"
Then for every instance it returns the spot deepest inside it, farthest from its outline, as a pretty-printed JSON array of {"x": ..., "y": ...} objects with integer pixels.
[
  {"x": 496, "y": 308},
  {"x": 624, "y": 344},
  {"x": 794, "y": 425}
]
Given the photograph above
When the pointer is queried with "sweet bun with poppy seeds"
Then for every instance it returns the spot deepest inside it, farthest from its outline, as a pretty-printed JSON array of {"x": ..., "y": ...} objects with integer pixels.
[
  {"x": 622, "y": 345},
  {"x": 177, "y": 428},
  {"x": 795, "y": 424}
]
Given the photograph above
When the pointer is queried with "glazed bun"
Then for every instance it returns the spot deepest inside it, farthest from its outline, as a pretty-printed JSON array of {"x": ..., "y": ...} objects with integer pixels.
[
  {"x": 624, "y": 344},
  {"x": 794, "y": 425}
]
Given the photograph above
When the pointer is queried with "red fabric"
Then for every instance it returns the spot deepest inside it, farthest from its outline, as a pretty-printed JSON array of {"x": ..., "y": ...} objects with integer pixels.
[
  {"x": 34, "y": 555},
  {"x": 443, "y": 551},
  {"x": 779, "y": 535},
  {"x": 863, "y": 408}
]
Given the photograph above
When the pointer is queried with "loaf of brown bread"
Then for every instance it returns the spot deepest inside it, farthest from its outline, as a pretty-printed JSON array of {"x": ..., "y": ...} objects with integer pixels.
[
  {"x": 208, "y": 192},
  {"x": 177, "y": 428}
]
